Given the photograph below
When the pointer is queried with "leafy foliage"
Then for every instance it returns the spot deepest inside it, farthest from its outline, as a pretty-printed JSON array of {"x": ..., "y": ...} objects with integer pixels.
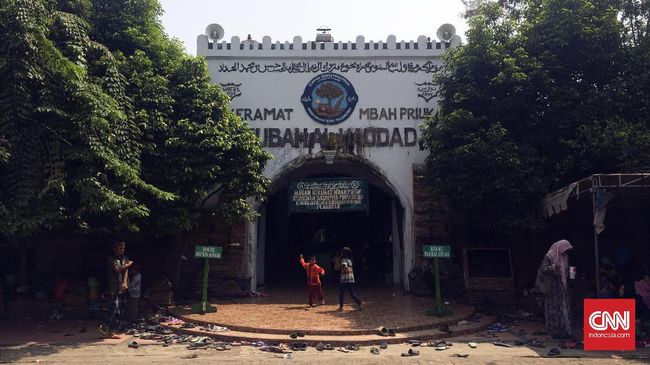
[
  {"x": 543, "y": 93},
  {"x": 108, "y": 127}
]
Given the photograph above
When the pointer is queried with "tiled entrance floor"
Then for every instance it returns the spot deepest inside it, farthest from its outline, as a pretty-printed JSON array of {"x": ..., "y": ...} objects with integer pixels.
[{"x": 286, "y": 310}]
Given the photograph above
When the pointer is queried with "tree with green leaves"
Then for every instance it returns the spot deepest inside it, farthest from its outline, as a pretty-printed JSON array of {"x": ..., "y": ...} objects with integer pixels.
[
  {"x": 108, "y": 127},
  {"x": 542, "y": 94}
]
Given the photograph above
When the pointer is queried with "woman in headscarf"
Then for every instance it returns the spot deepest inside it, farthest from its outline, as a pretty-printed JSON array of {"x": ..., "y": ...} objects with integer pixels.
[{"x": 552, "y": 281}]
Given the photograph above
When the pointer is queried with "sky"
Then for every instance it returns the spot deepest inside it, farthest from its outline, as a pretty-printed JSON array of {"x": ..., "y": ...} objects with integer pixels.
[{"x": 284, "y": 19}]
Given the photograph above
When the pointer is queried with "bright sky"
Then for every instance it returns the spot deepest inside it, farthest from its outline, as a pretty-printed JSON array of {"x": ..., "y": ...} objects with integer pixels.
[{"x": 284, "y": 19}]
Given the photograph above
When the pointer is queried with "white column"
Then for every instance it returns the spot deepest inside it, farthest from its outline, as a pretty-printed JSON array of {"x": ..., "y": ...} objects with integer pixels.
[{"x": 408, "y": 246}]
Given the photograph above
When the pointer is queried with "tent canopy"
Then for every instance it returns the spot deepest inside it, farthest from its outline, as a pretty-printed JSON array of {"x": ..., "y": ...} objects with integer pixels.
[{"x": 599, "y": 185}]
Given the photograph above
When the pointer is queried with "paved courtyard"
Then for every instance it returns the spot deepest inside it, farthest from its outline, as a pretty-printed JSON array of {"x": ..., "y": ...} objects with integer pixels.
[{"x": 287, "y": 309}]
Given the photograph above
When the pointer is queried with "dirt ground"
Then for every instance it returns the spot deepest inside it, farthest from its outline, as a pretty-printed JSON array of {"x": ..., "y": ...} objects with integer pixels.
[{"x": 485, "y": 353}]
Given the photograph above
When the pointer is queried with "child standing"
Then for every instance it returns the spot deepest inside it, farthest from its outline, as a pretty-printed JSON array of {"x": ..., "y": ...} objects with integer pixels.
[{"x": 314, "y": 272}]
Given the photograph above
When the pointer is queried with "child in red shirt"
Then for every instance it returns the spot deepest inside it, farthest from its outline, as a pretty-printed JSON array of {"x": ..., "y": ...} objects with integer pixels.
[{"x": 313, "y": 279}]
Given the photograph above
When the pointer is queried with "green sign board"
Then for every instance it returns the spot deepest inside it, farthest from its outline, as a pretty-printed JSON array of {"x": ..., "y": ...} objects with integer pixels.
[
  {"x": 328, "y": 195},
  {"x": 430, "y": 251},
  {"x": 207, "y": 252}
]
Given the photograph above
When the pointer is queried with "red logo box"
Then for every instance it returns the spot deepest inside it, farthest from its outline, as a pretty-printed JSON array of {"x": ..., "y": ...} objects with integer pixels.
[{"x": 609, "y": 324}]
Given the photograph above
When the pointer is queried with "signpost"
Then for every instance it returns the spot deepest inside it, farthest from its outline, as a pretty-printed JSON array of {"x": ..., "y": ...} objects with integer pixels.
[
  {"x": 206, "y": 253},
  {"x": 436, "y": 252}
]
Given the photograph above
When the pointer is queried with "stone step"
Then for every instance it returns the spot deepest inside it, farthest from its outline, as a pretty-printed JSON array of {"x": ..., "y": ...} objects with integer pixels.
[
  {"x": 339, "y": 340},
  {"x": 460, "y": 313}
]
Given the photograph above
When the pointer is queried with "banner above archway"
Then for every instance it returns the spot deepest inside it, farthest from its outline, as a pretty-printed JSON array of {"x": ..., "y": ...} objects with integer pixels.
[{"x": 328, "y": 195}]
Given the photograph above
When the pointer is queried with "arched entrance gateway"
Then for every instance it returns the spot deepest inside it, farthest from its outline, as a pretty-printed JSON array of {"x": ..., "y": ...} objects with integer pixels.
[
  {"x": 341, "y": 120},
  {"x": 374, "y": 231}
]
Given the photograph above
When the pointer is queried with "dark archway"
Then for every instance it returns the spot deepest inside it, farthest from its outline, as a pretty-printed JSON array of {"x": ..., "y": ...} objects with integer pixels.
[{"x": 375, "y": 236}]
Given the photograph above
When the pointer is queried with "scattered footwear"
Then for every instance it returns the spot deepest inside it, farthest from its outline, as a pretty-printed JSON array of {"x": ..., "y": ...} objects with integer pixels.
[
  {"x": 391, "y": 332},
  {"x": 441, "y": 347},
  {"x": 460, "y": 355},
  {"x": 415, "y": 343},
  {"x": 411, "y": 352},
  {"x": 374, "y": 351},
  {"x": 342, "y": 349},
  {"x": 383, "y": 332},
  {"x": 293, "y": 335},
  {"x": 383, "y": 345},
  {"x": 472, "y": 345},
  {"x": 320, "y": 346},
  {"x": 553, "y": 352},
  {"x": 133, "y": 345}
]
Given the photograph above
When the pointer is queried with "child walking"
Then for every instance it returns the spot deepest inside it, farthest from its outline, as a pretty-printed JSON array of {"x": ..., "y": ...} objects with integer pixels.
[
  {"x": 347, "y": 278},
  {"x": 315, "y": 291}
]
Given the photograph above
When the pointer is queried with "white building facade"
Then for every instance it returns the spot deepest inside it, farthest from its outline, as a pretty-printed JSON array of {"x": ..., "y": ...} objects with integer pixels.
[{"x": 350, "y": 109}]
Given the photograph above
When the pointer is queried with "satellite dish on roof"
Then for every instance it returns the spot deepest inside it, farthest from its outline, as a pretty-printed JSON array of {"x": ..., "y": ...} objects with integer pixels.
[
  {"x": 214, "y": 31},
  {"x": 446, "y": 32}
]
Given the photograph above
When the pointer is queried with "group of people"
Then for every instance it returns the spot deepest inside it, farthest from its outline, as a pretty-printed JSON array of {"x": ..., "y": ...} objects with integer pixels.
[{"x": 346, "y": 278}]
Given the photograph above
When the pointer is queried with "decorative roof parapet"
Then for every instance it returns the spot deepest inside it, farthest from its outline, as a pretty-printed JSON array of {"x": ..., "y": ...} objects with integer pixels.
[{"x": 360, "y": 48}]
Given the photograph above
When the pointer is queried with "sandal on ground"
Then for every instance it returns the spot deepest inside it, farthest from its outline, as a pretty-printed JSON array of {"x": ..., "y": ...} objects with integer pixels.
[
  {"x": 553, "y": 352},
  {"x": 472, "y": 344},
  {"x": 460, "y": 355},
  {"x": 374, "y": 351},
  {"x": 501, "y": 344},
  {"x": 535, "y": 343},
  {"x": 411, "y": 352}
]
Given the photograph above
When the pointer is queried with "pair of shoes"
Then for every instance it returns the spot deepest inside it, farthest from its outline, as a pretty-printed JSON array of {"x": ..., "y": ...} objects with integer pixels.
[
  {"x": 352, "y": 347},
  {"x": 296, "y": 334},
  {"x": 411, "y": 352},
  {"x": 385, "y": 332}
]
